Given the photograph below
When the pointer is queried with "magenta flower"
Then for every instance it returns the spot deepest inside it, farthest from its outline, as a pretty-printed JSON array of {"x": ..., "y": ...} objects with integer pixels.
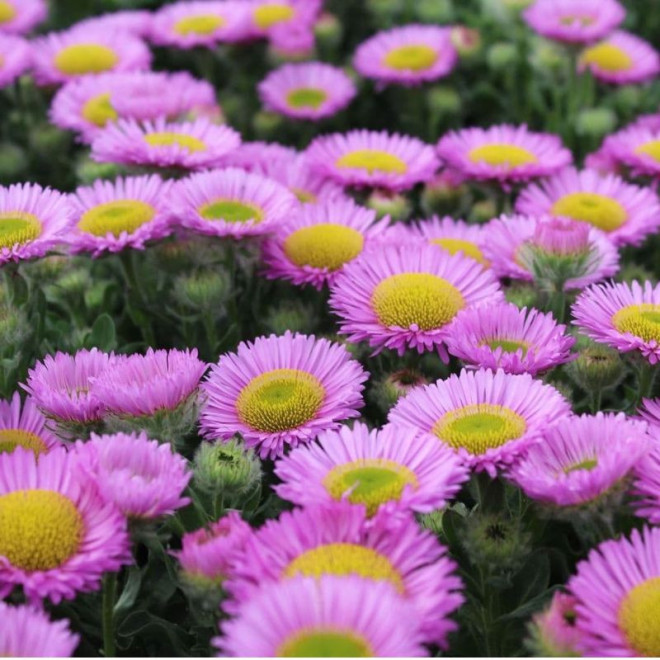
[
  {"x": 259, "y": 156},
  {"x": 24, "y": 427},
  {"x": 636, "y": 147},
  {"x": 554, "y": 630},
  {"x": 15, "y": 58},
  {"x": 21, "y": 16},
  {"x": 647, "y": 482}
]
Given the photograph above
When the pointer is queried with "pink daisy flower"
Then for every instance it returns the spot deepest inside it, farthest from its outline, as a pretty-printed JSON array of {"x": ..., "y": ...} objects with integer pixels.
[
  {"x": 113, "y": 215},
  {"x": 208, "y": 556},
  {"x": 623, "y": 316},
  {"x": 407, "y": 297},
  {"x": 142, "y": 478},
  {"x": 24, "y": 427},
  {"x": 281, "y": 391},
  {"x": 135, "y": 21},
  {"x": 200, "y": 23},
  {"x": 647, "y": 482},
  {"x": 504, "y": 153},
  {"x": 295, "y": 43},
  {"x": 617, "y": 591},
  {"x": 28, "y": 632},
  {"x": 274, "y": 18},
  {"x": 21, "y": 16},
  {"x": 15, "y": 58},
  {"x": 396, "y": 468},
  {"x": 232, "y": 203},
  {"x": 328, "y": 617},
  {"x": 651, "y": 121},
  {"x": 372, "y": 158},
  {"x": 574, "y": 21},
  {"x": 650, "y": 411},
  {"x": 338, "y": 539},
  {"x": 489, "y": 419},
  {"x": 582, "y": 458},
  {"x": 554, "y": 631},
  {"x": 309, "y": 90},
  {"x": 59, "y": 537},
  {"x": 602, "y": 162},
  {"x": 622, "y": 58},
  {"x": 502, "y": 336},
  {"x": 625, "y": 212},
  {"x": 258, "y": 156},
  {"x": 407, "y": 55},
  {"x": 141, "y": 385},
  {"x": 62, "y": 56},
  {"x": 317, "y": 242},
  {"x": 91, "y": 103},
  {"x": 512, "y": 242},
  {"x": 635, "y": 147},
  {"x": 60, "y": 385},
  {"x": 33, "y": 221},
  {"x": 196, "y": 145}
]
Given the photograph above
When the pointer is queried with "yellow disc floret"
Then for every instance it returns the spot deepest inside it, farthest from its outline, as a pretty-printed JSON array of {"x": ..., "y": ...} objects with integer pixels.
[
  {"x": 412, "y": 57},
  {"x": 80, "y": 59},
  {"x": 41, "y": 529},
  {"x": 271, "y": 14},
  {"x": 12, "y": 438},
  {"x": 170, "y": 139},
  {"x": 642, "y": 320},
  {"x": 371, "y": 482},
  {"x": 280, "y": 400},
  {"x": 122, "y": 215},
  {"x": 639, "y": 615},
  {"x": 323, "y": 246},
  {"x": 203, "y": 24},
  {"x": 651, "y": 149},
  {"x": 607, "y": 57},
  {"x": 372, "y": 160},
  {"x": 345, "y": 559},
  {"x": 479, "y": 427},
  {"x": 420, "y": 299},
  {"x": 231, "y": 210},
  {"x": 7, "y": 11},
  {"x": 507, "y": 345},
  {"x": 17, "y": 228},
  {"x": 598, "y": 210},
  {"x": 456, "y": 245},
  {"x": 325, "y": 643},
  {"x": 99, "y": 111},
  {"x": 506, "y": 155},
  {"x": 306, "y": 97}
]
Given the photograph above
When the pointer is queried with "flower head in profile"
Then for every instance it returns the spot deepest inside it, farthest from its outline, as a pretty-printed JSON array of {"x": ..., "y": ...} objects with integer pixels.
[
  {"x": 636, "y": 147},
  {"x": 24, "y": 426},
  {"x": 15, "y": 58},
  {"x": 21, "y": 16},
  {"x": 133, "y": 21},
  {"x": 260, "y": 156},
  {"x": 553, "y": 632}
]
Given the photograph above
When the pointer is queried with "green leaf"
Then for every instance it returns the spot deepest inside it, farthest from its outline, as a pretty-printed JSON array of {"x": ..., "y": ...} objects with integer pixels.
[
  {"x": 130, "y": 591},
  {"x": 103, "y": 335}
]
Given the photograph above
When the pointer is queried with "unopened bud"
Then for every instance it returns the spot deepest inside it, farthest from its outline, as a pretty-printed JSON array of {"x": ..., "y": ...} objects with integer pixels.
[
  {"x": 466, "y": 41},
  {"x": 595, "y": 122},
  {"x": 596, "y": 368},
  {"x": 395, "y": 205},
  {"x": 290, "y": 315},
  {"x": 501, "y": 56},
  {"x": 202, "y": 291},
  {"x": 552, "y": 633}
]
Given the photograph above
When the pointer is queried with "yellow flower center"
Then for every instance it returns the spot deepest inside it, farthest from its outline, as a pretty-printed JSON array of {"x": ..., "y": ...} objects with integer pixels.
[
  {"x": 99, "y": 111},
  {"x": 80, "y": 59},
  {"x": 202, "y": 24},
  {"x": 280, "y": 400},
  {"x": 306, "y": 97},
  {"x": 122, "y": 215},
  {"x": 598, "y": 210},
  {"x": 325, "y": 643},
  {"x": 639, "y": 615},
  {"x": 607, "y": 57},
  {"x": 420, "y": 299},
  {"x": 572, "y": 19},
  {"x": 17, "y": 228},
  {"x": 39, "y": 529},
  {"x": 456, "y": 245},
  {"x": 413, "y": 57},
  {"x": 643, "y": 321},
  {"x": 12, "y": 438},
  {"x": 231, "y": 210},
  {"x": 507, "y": 345},
  {"x": 268, "y": 15},
  {"x": 345, "y": 559},
  {"x": 7, "y": 11},
  {"x": 371, "y": 482},
  {"x": 479, "y": 427},
  {"x": 324, "y": 246},
  {"x": 508, "y": 155},
  {"x": 169, "y": 139},
  {"x": 373, "y": 160},
  {"x": 586, "y": 464},
  {"x": 651, "y": 149}
]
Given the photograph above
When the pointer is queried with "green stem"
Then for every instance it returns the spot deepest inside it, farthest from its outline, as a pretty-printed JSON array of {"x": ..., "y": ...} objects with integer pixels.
[
  {"x": 596, "y": 399},
  {"x": 109, "y": 599},
  {"x": 211, "y": 334},
  {"x": 645, "y": 378}
]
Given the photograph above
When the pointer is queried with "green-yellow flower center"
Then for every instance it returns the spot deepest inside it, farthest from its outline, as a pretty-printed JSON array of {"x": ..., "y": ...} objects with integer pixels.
[
  {"x": 203, "y": 24},
  {"x": 7, "y": 11},
  {"x": 122, "y": 215},
  {"x": 651, "y": 149},
  {"x": 39, "y": 529},
  {"x": 412, "y": 57},
  {"x": 507, "y": 155},
  {"x": 12, "y": 438},
  {"x": 586, "y": 464},
  {"x": 325, "y": 643},
  {"x": 345, "y": 559},
  {"x": 639, "y": 615},
  {"x": 323, "y": 246},
  {"x": 582, "y": 20},
  {"x": 268, "y": 15},
  {"x": 371, "y": 482},
  {"x": 231, "y": 210},
  {"x": 79, "y": 59},
  {"x": 306, "y": 97},
  {"x": 456, "y": 245},
  {"x": 280, "y": 400},
  {"x": 598, "y": 210},
  {"x": 479, "y": 427},
  {"x": 17, "y": 228},
  {"x": 420, "y": 299},
  {"x": 170, "y": 139},
  {"x": 99, "y": 111},
  {"x": 507, "y": 345},
  {"x": 607, "y": 57},
  {"x": 642, "y": 320},
  {"x": 373, "y": 160}
]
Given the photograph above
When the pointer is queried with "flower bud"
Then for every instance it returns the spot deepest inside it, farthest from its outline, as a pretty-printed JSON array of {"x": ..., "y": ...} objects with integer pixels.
[
  {"x": 48, "y": 140},
  {"x": 483, "y": 211},
  {"x": 434, "y": 11},
  {"x": 328, "y": 30},
  {"x": 547, "y": 56},
  {"x": 634, "y": 272},
  {"x": 552, "y": 633},
  {"x": 596, "y": 368},
  {"x": 444, "y": 100},
  {"x": 289, "y": 315},
  {"x": 595, "y": 122},
  {"x": 88, "y": 171},
  {"x": 266, "y": 124},
  {"x": 466, "y": 41},
  {"x": 443, "y": 193},
  {"x": 628, "y": 98},
  {"x": 13, "y": 161},
  {"x": 14, "y": 328},
  {"x": 386, "y": 203},
  {"x": 202, "y": 291},
  {"x": 522, "y": 295},
  {"x": 501, "y": 56},
  {"x": 389, "y": 389}
]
